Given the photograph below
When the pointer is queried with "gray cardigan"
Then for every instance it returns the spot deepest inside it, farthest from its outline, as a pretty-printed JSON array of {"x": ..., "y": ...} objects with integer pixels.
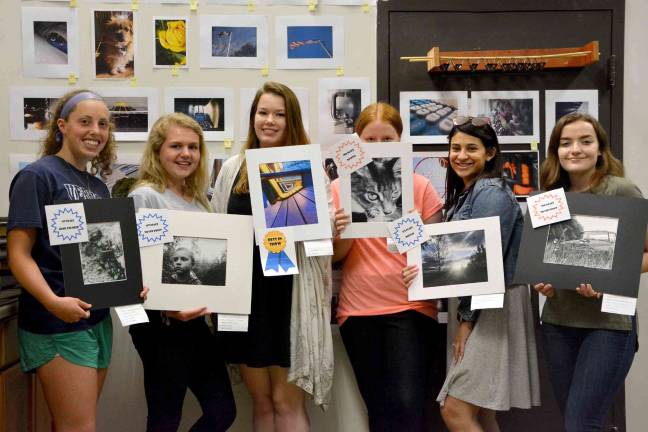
[{"x": 311, "y": 343}]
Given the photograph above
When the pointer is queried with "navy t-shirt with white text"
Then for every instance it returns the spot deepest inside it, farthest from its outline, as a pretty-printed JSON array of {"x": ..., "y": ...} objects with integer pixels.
[{"x": 44, "y": 182}]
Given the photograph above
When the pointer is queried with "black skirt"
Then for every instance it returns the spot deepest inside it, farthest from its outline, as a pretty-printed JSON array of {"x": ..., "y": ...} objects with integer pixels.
[{"x": 267, "y": 341}]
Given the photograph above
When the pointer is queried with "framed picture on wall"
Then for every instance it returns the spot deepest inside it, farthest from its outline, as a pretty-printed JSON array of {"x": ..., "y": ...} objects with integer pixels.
[
  {"x": 50, "y": 42},
  {"x": 561, "y": 102},
  {"x": 170, "y": 42},
  {"x": 427, "y": 116},
  {"x": 30, "y": 109},
  {"x": 520, "y": 171},
  {"x": 380, "y": 192},
  {"x": 246, "y": 97},
  {"x": 432, "y": 166},
  {"x": 309, "y": 42},
  {"x": 459, "y": 258},
  {"x": 115, "y": 44},
  {"x": 215, "y": 165},
  {"x": 211, "y": 107},
  {"x": 132, "y": 110},
  {"x": 214, "y": 256},
  {"x": 601, "y": 244},
  {"x": 233, "y": 41},
  {"x": 288, "y": 189},
  {"x": 106, "y": 270},
  {"x": 515, "y": 115},
  {"x": 340, "y": 102}
]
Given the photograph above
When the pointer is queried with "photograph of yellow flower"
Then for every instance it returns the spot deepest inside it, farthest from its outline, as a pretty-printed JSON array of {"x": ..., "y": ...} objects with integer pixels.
[{"x": 170, "y": 42}]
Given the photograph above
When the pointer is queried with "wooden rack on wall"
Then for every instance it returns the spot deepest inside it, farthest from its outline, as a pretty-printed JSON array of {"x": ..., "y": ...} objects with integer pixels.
[{"x": 521, "y": 60}]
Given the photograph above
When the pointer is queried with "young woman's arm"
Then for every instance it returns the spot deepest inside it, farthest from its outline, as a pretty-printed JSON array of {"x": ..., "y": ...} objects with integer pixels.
[
  {"x": 341, "y": 247},
  {"x": 19, "y": 245}
]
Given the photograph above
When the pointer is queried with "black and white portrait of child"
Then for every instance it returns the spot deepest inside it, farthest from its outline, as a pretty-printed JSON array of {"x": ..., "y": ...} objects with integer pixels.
[{"x": 195, "y": 261}]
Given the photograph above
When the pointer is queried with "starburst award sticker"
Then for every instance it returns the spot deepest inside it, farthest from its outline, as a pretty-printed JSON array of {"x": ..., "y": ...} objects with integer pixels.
[
  {"x": 349, "y": 155},
  {"x": 548, "y": 207},
  {"x": 407, "y": 232},
  {"x": 278, "y": 253},
  {"x": 153, "y": 227},
  {"x": 66, "y": 223}
]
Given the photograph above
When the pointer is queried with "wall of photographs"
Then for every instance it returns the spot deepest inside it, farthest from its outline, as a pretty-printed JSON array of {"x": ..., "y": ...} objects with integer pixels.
[
  {"x": 228, "y": 52},
  {"x": 151, "y": 57}
]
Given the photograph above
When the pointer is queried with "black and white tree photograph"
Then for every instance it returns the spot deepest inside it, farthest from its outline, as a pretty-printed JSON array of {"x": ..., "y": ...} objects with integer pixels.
[
  {"x": 376, "y": 191},
  {"x": 102, "y": 256},
  {"x": 583, "y": 241},
  {"x": 195, "y": 261},
  {"x": 453, "y": 259}
]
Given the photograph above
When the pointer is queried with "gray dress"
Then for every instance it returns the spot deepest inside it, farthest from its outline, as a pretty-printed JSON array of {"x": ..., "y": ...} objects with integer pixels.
[{"x": 499, "y": 369}]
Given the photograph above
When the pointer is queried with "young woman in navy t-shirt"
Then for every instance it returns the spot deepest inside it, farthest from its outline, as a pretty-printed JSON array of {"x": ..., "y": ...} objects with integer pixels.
[{"x": 60, "y": 339}]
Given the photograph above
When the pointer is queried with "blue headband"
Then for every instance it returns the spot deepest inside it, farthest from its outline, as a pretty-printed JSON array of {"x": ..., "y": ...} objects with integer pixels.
[{"x": 74, "y": 101}]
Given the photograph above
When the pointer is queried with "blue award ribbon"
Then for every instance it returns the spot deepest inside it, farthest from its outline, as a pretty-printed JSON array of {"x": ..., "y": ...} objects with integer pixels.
[{"x": 277, "y": 260}]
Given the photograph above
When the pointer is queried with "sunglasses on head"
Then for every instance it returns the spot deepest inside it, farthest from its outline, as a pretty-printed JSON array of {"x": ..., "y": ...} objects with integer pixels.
[{"x": 475, "y": 121}]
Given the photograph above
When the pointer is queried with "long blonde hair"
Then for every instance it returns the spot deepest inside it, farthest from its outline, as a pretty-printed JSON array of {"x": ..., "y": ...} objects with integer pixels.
[
  {"x": 153, "y": 174},
  {"x": 52, "y": 145},
  {"x": 295, "y": 133},
  {"x": 552, "y": 174}
]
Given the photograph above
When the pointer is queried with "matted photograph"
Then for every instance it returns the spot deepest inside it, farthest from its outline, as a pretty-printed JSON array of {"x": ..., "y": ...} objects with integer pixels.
[
  {"x": 309, "y": 42},
  {"x": 288, "y": 189},
  {"x": 602, "y": 245},
  {"x": 379, "y": 192},
  {"x": 246, "y": 97},
  {"x": 132, "y": 110},
  {"x": 562, "y": 102},
  {"x": 288, "y": 193},
  {"x": 341, "y": 101},
  {"x": 106, "y": 270},
  {"x": 125, "y": 171},
  {"x": 432, "y": 166},
  {"x": 30, "y": 110},
  {"x": 115, "y": 44},
  {"x": 515, "y": 115},
  {"x": 233, "y": 41},
  {"x": 207, "y": 264},
  {"x": 427, "y": 116},
  {"x": 194, "y": 261},
  {"x": 520, "y": 170},
  {"x": 211, "y": 107},
  {"x": 459, "y": 258},
  {"x": 170, "y": 42},
  {"x": 102, "y": 256},
  {"x": 50, "y": 42}
]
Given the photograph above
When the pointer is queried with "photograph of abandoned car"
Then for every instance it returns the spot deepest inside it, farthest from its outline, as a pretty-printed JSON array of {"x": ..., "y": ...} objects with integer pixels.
[{"x": 584, "y": 241}]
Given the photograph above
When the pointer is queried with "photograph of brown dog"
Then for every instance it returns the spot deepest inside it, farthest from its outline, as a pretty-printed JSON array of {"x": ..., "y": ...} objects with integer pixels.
[{"x": 114, "y": 44}]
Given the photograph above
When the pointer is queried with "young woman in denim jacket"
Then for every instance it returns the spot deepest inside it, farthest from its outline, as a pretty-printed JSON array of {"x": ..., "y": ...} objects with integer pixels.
[
  {"x": 494, "y": 365},
  {"x": 588, "y": 352}
]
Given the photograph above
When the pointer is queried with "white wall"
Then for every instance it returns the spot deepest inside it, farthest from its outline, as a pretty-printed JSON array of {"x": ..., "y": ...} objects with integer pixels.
[
  {"x": 635, "y": 152},
  {"x": 122, "y": 406}
]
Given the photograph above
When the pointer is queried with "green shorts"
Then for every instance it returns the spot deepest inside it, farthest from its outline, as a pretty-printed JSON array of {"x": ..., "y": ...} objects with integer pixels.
[{"x": 91, "y": 347}]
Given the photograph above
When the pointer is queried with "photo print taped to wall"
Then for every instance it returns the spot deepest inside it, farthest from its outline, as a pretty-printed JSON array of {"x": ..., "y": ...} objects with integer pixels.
[
  {"x": 115, "y": 44},
  {"x": 50, "y": 42}
]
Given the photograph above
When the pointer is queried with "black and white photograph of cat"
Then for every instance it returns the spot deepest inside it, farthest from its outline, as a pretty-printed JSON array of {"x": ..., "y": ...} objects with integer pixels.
[{"x": 376, "y": 191}]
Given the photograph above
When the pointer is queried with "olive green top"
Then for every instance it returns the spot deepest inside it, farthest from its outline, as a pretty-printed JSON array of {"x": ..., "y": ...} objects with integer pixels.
[{"x": 568, "y": 308}]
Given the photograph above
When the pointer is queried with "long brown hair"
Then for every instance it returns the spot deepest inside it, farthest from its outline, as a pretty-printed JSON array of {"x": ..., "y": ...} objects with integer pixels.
[
  {"x": 379, "y": 111},
  {"x": 153, "y": 174},
  {"x": 295, "y": 133},
  {"x": 51, "y": 145},
  {"x": 552, "y": 174}
]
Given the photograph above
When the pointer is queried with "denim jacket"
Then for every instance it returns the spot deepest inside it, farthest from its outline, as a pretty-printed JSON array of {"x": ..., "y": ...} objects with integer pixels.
[{"x": 491, "y": 197}]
